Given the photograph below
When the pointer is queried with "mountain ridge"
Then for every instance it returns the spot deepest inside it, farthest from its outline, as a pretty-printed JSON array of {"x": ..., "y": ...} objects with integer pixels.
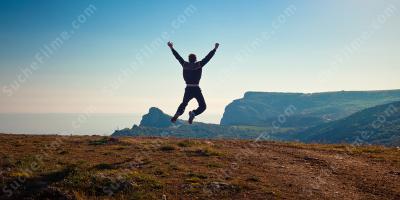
[
  {"x": 261, "y": 108},
  {"x": 286, "y": 125},
  {"x": 376, "y": 125}
]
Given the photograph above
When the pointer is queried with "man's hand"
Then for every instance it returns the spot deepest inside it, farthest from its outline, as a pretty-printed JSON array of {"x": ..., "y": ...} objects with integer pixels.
[
  {"x": 170, "y": 44},
  {"x": 216, "y": 46}
]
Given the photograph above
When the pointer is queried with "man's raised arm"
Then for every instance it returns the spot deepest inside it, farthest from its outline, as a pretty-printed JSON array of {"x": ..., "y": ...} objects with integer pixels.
[
  {"x": 176, "y": 54},
  {"x": 209, "y": 55}
]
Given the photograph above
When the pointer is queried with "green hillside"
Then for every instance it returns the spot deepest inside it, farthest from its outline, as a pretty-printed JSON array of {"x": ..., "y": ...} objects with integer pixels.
[
  {"x": 376, "y": 125},
  {"x": 300, "y": 109}
]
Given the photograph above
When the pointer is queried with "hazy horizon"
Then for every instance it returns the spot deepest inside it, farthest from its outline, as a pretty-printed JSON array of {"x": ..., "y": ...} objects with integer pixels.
[{"x": 75, "y": 123}]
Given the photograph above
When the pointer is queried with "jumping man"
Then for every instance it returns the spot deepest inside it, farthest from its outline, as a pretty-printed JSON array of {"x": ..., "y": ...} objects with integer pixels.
[{"x": 192, "y": 75}]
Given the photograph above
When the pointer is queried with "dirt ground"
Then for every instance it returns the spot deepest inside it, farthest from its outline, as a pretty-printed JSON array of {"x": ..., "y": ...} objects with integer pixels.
[{"x": 95, "y": 167}]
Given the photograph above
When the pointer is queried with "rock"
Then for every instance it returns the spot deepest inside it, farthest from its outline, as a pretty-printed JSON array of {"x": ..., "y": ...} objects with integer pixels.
[
  {"x": 156, "y": 118},
  {"x": 395, "y": 173},
  {"x": 218, "y": 186}
]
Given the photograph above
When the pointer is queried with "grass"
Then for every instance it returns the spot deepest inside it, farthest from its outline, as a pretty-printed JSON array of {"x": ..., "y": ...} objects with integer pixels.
[
  {"x": 20, "y": 174},
  {"x": 167, "y": 148},
  {"x": 112, "y": 182},
  {"x": 103, "y": 166},
  {"x": 207, "y": 151},
  {"x": 120, "y": 148},
  {"x": 214, "y": 165},
  {"x": 28, "y": 162},
  {"x": 193, "y": 180},
  {"x": 63, "y": 152},
  {"x": 93, "y": 183},
  {"x": 95, "y": 167},
  {"x": 101, "y": 141},
  {"x": 253, "y": 179},
  {"x": 145, "y": 181},
  {"x": 197, "y": 175},
  {"x": 174, "y": 167},
  {"x": 188, "y": 143},
  {"x": 105, "y": 141},
  {"x": 160, "y": 172}
]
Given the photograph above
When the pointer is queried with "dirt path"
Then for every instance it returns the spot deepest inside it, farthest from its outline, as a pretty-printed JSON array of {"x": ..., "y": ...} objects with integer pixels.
[{"x": 314, "y": 173}]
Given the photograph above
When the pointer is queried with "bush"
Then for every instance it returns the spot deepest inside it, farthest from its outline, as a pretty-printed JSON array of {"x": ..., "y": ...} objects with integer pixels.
[
  {"x": 103, "y": 166},
  {"x": 207, "y": 152},
  {"x": 187, "y": 143},
  {"x": 167, "y": 148}
]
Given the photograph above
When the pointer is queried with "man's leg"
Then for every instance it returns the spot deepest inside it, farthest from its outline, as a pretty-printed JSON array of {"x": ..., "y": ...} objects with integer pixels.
[
  {"x": 200, "y": 100},
  {"x": 202, "y": 105},
  {"x": 181, "y": 109}
]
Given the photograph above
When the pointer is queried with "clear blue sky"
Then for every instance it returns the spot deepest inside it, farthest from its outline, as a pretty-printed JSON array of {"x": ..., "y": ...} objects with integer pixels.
[{"x": 288, "y": 46}]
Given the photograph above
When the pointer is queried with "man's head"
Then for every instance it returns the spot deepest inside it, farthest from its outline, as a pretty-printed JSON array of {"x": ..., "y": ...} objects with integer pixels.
[{"x": 192, "y": 58}]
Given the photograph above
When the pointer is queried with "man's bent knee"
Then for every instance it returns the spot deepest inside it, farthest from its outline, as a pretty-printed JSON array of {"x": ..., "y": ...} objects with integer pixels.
[{"x": 202, "y": 107}]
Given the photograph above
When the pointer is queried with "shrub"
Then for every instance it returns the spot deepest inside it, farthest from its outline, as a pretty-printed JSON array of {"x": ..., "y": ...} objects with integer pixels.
[
  {"x": 103, "y": 166},
  {"x": 167, "y": 148},
  {"x": 207, "y": 152},
  {"x": 253, "y": 179},
  {"x": 101, "y": 141},
  {"x": 187, "y": 143}
]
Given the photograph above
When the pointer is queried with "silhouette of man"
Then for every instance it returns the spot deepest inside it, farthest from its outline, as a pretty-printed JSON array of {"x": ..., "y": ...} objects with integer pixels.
[{"x": 192, "y": 74}]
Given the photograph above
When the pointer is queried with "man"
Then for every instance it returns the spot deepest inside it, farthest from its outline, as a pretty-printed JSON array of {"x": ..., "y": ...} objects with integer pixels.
[{"x": 192, "y": 75}]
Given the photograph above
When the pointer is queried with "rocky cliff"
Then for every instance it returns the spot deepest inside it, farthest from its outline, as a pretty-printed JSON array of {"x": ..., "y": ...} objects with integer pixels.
[{"x": 299, "y": 109}]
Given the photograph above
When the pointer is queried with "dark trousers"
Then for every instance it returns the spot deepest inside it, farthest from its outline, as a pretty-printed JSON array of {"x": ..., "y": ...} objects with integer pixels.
[{"x": 190, "y": 93}]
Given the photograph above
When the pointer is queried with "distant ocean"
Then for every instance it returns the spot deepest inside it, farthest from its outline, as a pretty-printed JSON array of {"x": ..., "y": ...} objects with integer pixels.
[
  {"x": 75, "y": 124},
  {"x": 66, "y": 124}
]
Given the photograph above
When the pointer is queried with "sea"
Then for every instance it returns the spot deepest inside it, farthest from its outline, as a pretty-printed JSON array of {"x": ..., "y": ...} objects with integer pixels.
[{"x": 73, "y": 124}]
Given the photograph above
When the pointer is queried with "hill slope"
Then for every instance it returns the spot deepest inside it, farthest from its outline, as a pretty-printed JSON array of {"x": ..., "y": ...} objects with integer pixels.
[
  {"x": 157, "y": 123},
  {"x": 94, "y": 167},
  {"x": 306, "y": 110},
  {"x": 376, "y": 125}
]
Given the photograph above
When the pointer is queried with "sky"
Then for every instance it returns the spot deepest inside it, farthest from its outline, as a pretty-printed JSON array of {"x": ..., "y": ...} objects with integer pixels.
[{"x": 59, "y": 56}]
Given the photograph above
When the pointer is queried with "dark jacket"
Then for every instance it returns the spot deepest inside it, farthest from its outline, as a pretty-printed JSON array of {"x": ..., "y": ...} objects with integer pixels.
[{"x": 192, "y": 71}]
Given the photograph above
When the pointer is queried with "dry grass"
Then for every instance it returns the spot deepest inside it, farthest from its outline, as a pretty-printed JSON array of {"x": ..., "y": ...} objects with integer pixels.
[{"x": 94, "y": 167}]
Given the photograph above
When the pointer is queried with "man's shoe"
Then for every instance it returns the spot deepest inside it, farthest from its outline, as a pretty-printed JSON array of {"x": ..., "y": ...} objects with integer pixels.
[
  {"x": 191, "y": 117},
  {"x": 174, "y": 118}
]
